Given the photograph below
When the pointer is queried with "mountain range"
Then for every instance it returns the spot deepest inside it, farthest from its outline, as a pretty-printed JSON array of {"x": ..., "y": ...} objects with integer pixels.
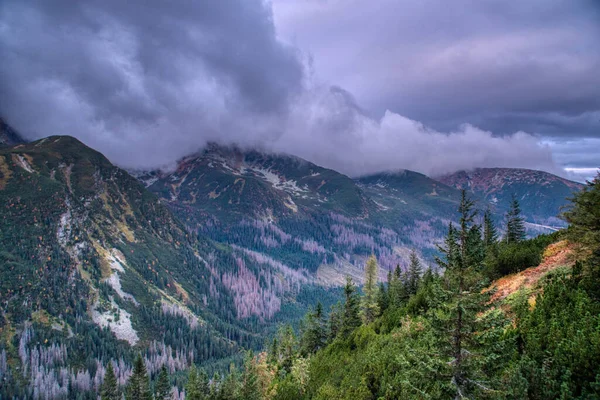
[{"x": 201, "y": 261}]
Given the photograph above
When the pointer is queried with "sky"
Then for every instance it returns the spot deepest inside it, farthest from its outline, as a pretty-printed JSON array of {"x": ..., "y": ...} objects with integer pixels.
[{"x": 356, "y": 86}]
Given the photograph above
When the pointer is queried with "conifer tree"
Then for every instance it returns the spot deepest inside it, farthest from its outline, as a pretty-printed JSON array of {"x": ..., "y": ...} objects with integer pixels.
[
  {"x": 250, "y": 389},
  {"x": 462, "y": 303},
  {"x": 515, "y": 224},
  {"x": 414, "y": 274},
  {"x": 138, "y": 387},
  {"x": 162, "y": 391},
  {"x": 230, "y": 387},
  {"x": 351, "y": 311},
  {"x": 191, "y": 387},
  {"x": 397, "y": 290},
  {"x": 110, "y": 387},
  {"x": 314, "y": 335},
  {"x": 490, "y": 235},
  {"x": 383, "y": 298},
  {"x": 369, "y": 306},
  {"x": 335, "y": 322}
]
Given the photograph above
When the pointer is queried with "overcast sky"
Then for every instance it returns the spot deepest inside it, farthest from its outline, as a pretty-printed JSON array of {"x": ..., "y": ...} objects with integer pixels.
[{"x": 358, "y": 86}]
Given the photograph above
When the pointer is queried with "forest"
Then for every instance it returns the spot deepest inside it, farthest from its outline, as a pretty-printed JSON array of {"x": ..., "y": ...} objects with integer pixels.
[{"x": 429, "y": 335}]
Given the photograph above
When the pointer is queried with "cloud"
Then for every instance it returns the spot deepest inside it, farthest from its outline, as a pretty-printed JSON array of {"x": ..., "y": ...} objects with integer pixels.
[
  {"x": 147, "y": 82},
  {"x": 142, "y": 79},
  {"x": 328, "y": 128},
  {"x": 495, "y": 64}
]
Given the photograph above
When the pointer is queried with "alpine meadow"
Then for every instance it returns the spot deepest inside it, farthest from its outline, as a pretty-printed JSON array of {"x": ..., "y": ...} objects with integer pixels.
[{"x": 284, "y": 200}]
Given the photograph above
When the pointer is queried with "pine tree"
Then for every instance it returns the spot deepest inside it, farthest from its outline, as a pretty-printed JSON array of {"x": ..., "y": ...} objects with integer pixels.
[
  {"x": 250, "y": 386},
  {"x": 138, "y": 387},
  {"x": 369, "y": 306},
  {"x": 397, "y": 290},
  {"x": 414, "y": 274},
  {"x": 490, "y": 235},
  {"x": 231, "y": 385},
  {"x": 162, "y": 391},
  {"x": 191, "y": 387},
  {"x": 383, "y": 298},
  {"x": 458, "y": 318},
  {"x": 515, "y": 224},
  {"x": 314, "y": 335},
  {"x": 110, "y": 387},
  {"x": 351, "y": 311},
  {"x": 335, "y": 322}
]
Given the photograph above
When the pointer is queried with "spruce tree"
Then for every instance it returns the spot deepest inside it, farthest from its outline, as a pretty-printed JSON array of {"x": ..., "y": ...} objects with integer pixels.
[
  {"x": 335, "y": 322},
  {"x": 314, "y": 335},
  {"x": 490, "y": 235},
  {"x": 162, "y": 390},
  {"x": 383, "y": 298},
  {"x": 110, "y": 387},
  {"x": 397, "y": 290},
  {"x": 414, "y": 274},
  {"x": 351, "y": 311},
  {"x": 515, "y": 224},
  {"x": 191, "y": 387},
  {"x": 138, "y": 387},
  {"x": 369, "y": 306},
  {"x": 250, "y": 389},
  {"x": 460, "y": 317}
]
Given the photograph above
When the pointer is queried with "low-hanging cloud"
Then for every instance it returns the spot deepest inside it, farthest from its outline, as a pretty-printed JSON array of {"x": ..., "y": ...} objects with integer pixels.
[
  {"x": 148, "y": 82},
  {"x": 328, "y": 128}
]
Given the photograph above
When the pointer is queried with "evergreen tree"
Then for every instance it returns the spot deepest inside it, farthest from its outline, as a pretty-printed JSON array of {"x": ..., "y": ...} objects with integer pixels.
[
  {"x": 515, "y": 224},
  {"x": 369, "y": 306},
  {"x": 335, "y": 322},
  {"x": 191, "y": 392},
  {"x": 162, "y": 391},
  {"x": 231, "y": 385},
  {"x": 351, "y": 311},
  {"x": 459, "y": 315},
  {"x": 110, "y": 387},
  {"x": 414, "y": 274},
  {"x": 314, "y": 335},
  {"x": 383, "y": 298},
  {"x": 138, "y": 387},
  {"x": 250, "y": 386},
  {"x": 490, "y": 235},
  {"x": 397, "y": 289}
]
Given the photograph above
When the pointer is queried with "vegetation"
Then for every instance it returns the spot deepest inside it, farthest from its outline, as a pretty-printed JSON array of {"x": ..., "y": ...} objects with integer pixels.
[{"x": 449, "y": 339}]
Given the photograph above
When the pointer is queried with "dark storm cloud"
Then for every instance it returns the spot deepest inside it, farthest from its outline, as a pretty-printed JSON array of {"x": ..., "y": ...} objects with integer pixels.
[
  {"x": 117, "y": 73},
  {"x": 147, "y": 82},
  {"x": 504, "y": 66}
]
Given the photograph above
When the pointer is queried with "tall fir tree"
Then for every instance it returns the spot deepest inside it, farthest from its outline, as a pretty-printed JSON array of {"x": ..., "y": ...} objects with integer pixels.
[
  {"x": 250, "y": 389},
  {"x": 414, "y": 274},
  {"x": 369, "y": 306},
  {"x": 490, "y": 234},
  {"x": 460, "y": 316},
  {"x": 314, "y": 335},
  {"x": 397, "y": 289},
  {"x": 351, "y": 310},
  {"x": 138, "y": 387},
  {"x": 110, "y": 387},
  {"x": 515, "y": 224},
  {"x": 383, "y": 298},
  {"x": 335, "y": 322},
  {"x": 162, "y": 389}
]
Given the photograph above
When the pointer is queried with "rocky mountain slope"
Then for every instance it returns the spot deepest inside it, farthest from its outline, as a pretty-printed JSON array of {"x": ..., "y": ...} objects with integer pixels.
[{"x": 540, "y": 194}]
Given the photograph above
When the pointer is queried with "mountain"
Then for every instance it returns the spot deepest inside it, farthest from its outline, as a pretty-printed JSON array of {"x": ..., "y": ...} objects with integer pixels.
[
  {"x": 94, "y": 267},
  {"x": 306, "y": 217},
  {"x": 8, "y": 136},
  {"x": 541, "y": 195}
]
